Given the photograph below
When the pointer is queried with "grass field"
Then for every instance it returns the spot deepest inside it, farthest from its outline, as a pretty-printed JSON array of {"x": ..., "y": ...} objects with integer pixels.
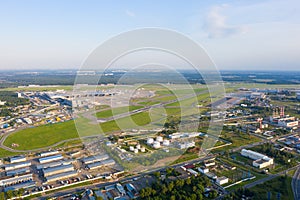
[
  {"x": 116, "y": 111},
  {"x": 42, "y": 136},
  {"x": 46, "y": 135},
  {"x": 237, "y": 140},
  {"x": 277, "y": 185},
  {"x": 5, "y": 153}
]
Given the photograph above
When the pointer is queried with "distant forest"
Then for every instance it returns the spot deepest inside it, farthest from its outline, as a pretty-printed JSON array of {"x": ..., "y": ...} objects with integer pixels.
[
  {"x": 14, "y": 79},
  {"x": 12, "y": 99}
]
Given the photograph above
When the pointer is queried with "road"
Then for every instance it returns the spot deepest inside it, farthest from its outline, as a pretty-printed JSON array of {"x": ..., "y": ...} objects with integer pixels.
[
  {"x": 296, "y": 184},
  {"x": 270, "y": 177}
]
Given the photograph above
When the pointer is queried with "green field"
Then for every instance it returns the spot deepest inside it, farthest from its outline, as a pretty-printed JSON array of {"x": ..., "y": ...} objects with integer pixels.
[
  {"x": 281, "y": 184},
  {"x": 116, "y": 111},
  {"x": 42, "y": 136},
  {"x": 5, "y": 153},
  {"x": 46, "y": 135}
]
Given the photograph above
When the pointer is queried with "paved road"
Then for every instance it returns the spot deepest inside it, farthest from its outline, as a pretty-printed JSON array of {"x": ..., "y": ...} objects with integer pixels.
[
  {"x": 296, "y": 184},
  {"x": 270, "y": 177}
]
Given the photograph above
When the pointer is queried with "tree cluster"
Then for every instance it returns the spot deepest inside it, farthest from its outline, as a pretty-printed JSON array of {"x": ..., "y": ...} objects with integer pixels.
[{"x": 188, "y": 189}]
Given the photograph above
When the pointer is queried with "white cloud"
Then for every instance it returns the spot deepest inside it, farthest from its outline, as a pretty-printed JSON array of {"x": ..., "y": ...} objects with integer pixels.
[
  {"x": 216, "y": 24},
  {"x": 130, "y": 13}
]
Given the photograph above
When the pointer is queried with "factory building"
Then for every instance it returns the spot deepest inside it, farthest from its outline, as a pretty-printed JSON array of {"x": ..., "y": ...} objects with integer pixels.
[
  {"x": 185, "y": 145},
  {"x": 54, "y": 164},
  {"x": 222, "y": 180},
  {"x": 132, "y": 191},
  {"x": 193, "y": 172},
  {"x": 17, "y": 171},
  {"x": 49, "y": 153},
  {"x": 288, "y": 123},
  {"x": 185, "y": 135},
  {"x": 15, "y": 180},
  {"x": 57, "y": 170},
  {"x": 121, "y": 189},
  {"x": 17, "y": 159},
  {"x": 203, "y": 170},
  {"x": 25, "y": 185},
  {"x": 99, "y": 164},
  {"x": 50, "y": 158},
  {"x": 278, "y": 117},
  {"x": 96, "y": 158},
  {"x": 260, "y": 160},
  {"x": 17, "y": 165},
  {"x": 61, "y": 176}
]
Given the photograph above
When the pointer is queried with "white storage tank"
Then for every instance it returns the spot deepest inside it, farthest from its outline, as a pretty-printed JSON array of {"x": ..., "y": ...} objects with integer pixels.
[
  {"x": 143, "y": 149},
  {"x": 159, "y": 139},
  {"x": 138, "y": 146},
  {"x": 150, "y": 141},
  {"x": 166, "y": 142},
  {"x": 136, "y": 151},
  {"x": 156, "y": 144}
]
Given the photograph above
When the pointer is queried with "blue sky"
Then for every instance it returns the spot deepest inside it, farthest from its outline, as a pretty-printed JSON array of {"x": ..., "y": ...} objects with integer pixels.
[{"x": 246, "y": 35}]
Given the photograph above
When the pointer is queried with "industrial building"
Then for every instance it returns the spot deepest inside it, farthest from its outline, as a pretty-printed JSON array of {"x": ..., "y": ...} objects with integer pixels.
[
  {"x": 57, "y": 170},
  {"x": 94, "y": 165},
  {"x": 132, "y": 191},
  {"x": 17, "y": 165},
  {"x": 17, "y": 159},
  {"x": 99, "y": 164},
  {"x": 185, "y": 135},
  {"x": 50, "y": 158},
  {"x": 260, "y": 160},
  {"x": 49, "y": 153},
  {"x": 15, "y": 180},
  {"x": 61, "y": 176},
  {"x": 25, "y": 185},
  {"x": 185, "y": 145},
  {"x": 203, "y": 170},
  {"x": 193, "y": 172},
  {"x": 95, "y": 158},
  {"x": 222, "y": 180},
  {"x": 280, "y": 119},
  {"x": 54, "y": 164},
  {"x": 108, "y": 162},
  {"x": 18, "y": 171}
]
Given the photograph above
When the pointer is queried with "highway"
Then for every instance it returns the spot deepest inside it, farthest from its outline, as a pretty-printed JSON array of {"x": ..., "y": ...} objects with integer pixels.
[{"x": 296, "y": 184}]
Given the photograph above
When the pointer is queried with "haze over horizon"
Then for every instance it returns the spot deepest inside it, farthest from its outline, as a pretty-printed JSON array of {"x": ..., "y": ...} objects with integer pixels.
[{"x": 238, "y": 35}]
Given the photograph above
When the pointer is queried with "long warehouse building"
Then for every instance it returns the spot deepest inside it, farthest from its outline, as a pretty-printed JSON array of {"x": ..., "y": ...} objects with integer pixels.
[
  {"x": 58, "y": 169},
  {"x": 54, "y": 164},
  {"x": 49, "y": 153},
  {"x": 25, "y": 185},
  {"x": 96, "y": 158},
  {"x": 17, "y": 159},
  {"x": 15, "y": 180},
  {"x": 61, "y": 176},
  {"x": 99, "y": 164},
  {"x": 51, "y": 158},
  {"x": 17, "y": 165},
  {"x": 18, "y": 171}
]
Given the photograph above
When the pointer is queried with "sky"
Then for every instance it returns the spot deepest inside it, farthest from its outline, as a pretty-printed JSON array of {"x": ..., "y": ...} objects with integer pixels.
[{"x": 237, "y": 35}]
